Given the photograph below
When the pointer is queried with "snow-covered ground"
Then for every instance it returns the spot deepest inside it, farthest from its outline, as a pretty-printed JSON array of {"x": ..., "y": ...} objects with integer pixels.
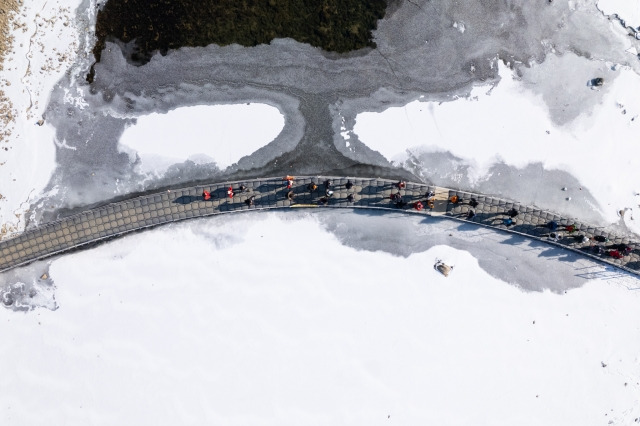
[
  {"x": 267, "y": 318},
  {"x": 45, "y": 44},
  {"x": 509, "y": 123},
  {"x": 627, "y": 10},
  {"x": 337, "y": 318},
  {"x": 203, "y": 134}
]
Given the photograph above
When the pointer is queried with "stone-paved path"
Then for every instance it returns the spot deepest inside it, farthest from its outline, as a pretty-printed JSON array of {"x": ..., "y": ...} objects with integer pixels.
[{"x": 271, "y": 193}]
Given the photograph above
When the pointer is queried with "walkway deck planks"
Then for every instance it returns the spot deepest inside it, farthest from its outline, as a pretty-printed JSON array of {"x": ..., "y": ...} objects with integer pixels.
[{"x": 155, "y": 209}]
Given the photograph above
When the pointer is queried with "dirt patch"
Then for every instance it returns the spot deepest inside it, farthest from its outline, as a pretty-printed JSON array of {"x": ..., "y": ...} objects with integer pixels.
[{"x": 8, "y": 9}]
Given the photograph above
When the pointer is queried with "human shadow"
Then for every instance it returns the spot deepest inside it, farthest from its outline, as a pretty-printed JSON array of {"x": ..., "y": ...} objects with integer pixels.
[
  {"x": 635, "y": 265},
  {"x": 272, "y": 186},
  {"x": 188, "y": 199},
  {"x": 375, "y": 189}
]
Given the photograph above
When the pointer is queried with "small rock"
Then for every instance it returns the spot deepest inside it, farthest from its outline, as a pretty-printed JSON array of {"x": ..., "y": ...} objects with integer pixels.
[
  {"x": 603, "y": 364},
  {"x": 564, "y": 188},
  {"x": 40, "y": 122},
  {"x": 44, "y": 276},
  {"x": 568, "y": 198}
]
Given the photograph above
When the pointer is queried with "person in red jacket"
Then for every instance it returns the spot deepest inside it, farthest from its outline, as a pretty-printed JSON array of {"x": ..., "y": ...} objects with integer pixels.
[
  {"x": 418, "y": 205},
  {"x": 289, "y": 180},
  {"x": 230, "y": 192},
  {"x": 615, "y": 254},
  {"x": 206, "y": 195}
]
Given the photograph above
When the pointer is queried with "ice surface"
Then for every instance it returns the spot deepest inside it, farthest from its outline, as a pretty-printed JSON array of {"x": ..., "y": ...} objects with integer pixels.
[
  {"x": 268, "y": 319},
  {"x": 337, "y": 318},
  {"x": 627, "y": 10},
  {"x": 509, "y": 123},
  {"x": 220, "y": 134},
  {"x": 419, "y": 53}
]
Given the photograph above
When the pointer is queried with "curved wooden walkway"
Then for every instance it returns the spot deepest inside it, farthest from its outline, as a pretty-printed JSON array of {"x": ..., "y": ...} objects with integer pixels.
[{"x": 119, "y": 218}]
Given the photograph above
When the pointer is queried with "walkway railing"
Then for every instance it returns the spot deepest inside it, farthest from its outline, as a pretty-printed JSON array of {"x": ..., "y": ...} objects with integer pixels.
[{"x": 155, "y": 209}]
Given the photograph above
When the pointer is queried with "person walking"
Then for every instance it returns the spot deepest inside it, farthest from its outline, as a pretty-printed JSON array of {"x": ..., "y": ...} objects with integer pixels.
[
  {"x": 401, "y": 185},
  {"x": 622, "y": 248},
  {"x": 249, "y": 201},
  {"x": 328, "y": 192},
  {"x": 418, "y": 205},
  {"x": 243, "y": 188},
  {"x": 615, "y": 254},
  {"x": 312, "y": 187},
  {"x": 348, "y": 185},
  {"x": 581, "y": 239},
  {"x": 206, "y": 195},
  {"x": 289, "y": 181},
  {"x": 600, "y": 238},
  {"x": 230, "y": 192},
  {"x": 473, "y": 203},
  {"x": 512, "y": 213},
  {"x": 571, "y": 228},
  {"x": 290, "y": 195},
  {"x": 350, "y": 198},
  {"x": 327, "y": 184},
  {"x": 471, "y": 214}
]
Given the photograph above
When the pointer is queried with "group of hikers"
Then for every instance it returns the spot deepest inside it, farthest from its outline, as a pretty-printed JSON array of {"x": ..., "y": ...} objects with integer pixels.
[
  {"x": 616, "y": 251},
  {"x": 328, "y": 191},
  {"x": 206, "y": 195},
  {"x": 288, "y": 183}
]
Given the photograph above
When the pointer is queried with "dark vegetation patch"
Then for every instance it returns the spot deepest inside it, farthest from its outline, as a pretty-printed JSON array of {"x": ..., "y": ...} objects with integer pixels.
[{"x": 160, "y": 25}]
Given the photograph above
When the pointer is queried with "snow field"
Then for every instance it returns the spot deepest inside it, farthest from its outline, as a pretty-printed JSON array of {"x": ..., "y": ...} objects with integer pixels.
[
  {"x": 204, "y": 134},
  {"x": 627, "y": 10},
  {"x": 267, "y": 319},
  {"x": 508, "y": 123},
  {"x": 44, "y": 47}
]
